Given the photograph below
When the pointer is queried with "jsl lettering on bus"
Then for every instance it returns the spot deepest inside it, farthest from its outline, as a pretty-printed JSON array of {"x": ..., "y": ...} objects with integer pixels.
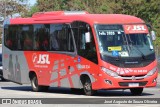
[
  {"x": 42, "y": 59},
  {"x": 138, "y": 27}
]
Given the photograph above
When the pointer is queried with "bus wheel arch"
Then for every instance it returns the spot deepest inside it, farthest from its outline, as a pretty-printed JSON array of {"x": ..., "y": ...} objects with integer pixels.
[
  {"x": 31, "y": 74},
  {"x": 34, "y": 83},
  {"x": 87, "y": 85}
]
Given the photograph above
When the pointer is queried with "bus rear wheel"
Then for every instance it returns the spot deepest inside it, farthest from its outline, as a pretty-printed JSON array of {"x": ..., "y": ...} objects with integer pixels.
[
  {"x": 36, "y": 87},
  {"x": 87, "y": 86},
  {"x": 136, "y": 91}
]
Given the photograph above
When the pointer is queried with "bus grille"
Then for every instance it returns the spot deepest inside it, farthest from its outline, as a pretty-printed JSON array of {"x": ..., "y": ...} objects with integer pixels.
[
  {"x": 127, "y": 83},
  {"x": 137, "y": 77}
]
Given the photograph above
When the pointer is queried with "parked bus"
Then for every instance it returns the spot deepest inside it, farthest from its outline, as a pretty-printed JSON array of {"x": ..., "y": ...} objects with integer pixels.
[{"x": 79, "y": 50}]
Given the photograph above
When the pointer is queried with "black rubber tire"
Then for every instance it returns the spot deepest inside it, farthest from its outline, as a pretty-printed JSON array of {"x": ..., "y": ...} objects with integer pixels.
[
  {"x": 2, "y": 79},
  {"x": 36, "y": 87},
  {"x": 76, "y": 90},
  {"x": 87, "y": 86},
  {"x": 136, "y": 91}
]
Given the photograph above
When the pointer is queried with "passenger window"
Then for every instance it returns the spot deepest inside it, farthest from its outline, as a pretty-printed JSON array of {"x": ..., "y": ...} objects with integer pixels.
[
  {"x": 10, "y": 37},
  {"x": 61, "y": 38},
  {"x": 27, "y": 38},
  {"x": 41, "y": 37}
]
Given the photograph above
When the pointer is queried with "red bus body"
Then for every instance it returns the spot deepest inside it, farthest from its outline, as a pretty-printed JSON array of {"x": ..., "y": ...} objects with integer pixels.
[{"x": 64, "y": 70}]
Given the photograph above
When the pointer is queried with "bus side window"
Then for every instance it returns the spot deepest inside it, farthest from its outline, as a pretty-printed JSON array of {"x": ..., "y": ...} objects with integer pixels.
[
  {"x": 41, "y": 37},
  {"x": 61, "y": 38},
  {"x": 70, "y": 41},
  {"x": 27, "y": 42},
  {"x": 54, "y": 41},
  {"x": 10, "y": 37},
  {"x": 19, "y": 38},
  {"x": 26, "y": 38},
  {"x": 45, "y": 44}
]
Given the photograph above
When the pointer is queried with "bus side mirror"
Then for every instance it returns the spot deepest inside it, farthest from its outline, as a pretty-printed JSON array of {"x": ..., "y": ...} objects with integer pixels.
[
  {"x": 87, "y": 37},
  {"x": 153, "y": 35}
]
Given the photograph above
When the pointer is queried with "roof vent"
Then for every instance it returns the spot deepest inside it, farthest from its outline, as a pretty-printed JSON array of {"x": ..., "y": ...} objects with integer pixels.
[
  {"x": 75, "y": 12},
  {"x": 55, "y": 13}
]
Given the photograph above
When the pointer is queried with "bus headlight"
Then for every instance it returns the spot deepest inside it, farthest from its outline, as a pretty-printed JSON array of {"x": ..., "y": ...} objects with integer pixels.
[
  {"x": 151, "y": 72},
  {"x": 109, "y": 72}
]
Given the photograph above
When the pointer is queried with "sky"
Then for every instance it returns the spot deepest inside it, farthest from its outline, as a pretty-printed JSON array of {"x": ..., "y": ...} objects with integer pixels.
[{"x": 32, "y": 2}]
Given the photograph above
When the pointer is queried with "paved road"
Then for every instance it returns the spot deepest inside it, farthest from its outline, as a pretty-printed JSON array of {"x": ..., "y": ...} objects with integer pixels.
[
  {"x": 25, "y": 91},
  {"x": 12, "y": 90}
]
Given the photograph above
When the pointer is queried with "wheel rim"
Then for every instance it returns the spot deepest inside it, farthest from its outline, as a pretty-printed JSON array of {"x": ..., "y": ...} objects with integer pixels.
[
  {"x": 34, "y": 82},
  {"x": 87, "y": 87}
]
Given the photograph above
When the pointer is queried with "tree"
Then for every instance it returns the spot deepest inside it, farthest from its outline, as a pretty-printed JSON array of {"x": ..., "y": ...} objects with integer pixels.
[
  {"x": 32, "y": 10},
  {"x": 92, "y": 6},
  {"x": 148, "y": 10},
  {"x": 10, "y": 7}
]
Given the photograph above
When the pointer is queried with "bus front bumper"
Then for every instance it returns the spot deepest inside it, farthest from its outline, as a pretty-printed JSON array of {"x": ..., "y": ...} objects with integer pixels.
[{"x": 109, "y": 82}]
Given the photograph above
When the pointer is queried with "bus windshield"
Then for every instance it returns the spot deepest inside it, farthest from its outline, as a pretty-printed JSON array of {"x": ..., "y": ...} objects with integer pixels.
[{"x": 114, "y": 42}]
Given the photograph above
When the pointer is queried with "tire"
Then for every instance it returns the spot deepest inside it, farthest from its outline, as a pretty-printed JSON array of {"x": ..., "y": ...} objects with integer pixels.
[
  {"x": 76, "y": 90},
  {"x": 87, "y": 86},
  {"x": 36, "y": 87},
  {"x": 2, "y": 79},
  {"x": 136, "y": 91}
]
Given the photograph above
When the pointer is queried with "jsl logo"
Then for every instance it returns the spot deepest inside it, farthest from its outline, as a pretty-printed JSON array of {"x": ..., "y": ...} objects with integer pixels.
[
  {"x": 40, "y": 59},
  {"x": 136, "y": 28}
]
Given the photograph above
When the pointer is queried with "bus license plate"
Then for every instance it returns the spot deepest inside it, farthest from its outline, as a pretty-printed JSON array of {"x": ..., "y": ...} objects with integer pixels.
[{"x": 133, "y": 84}]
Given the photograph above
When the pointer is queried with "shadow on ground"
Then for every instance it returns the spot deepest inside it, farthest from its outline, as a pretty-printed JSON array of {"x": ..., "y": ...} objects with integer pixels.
[{"x": 100, "y": 93}]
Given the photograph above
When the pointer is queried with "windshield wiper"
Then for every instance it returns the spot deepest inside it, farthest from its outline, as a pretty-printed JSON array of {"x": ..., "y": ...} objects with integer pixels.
[
  {"x": 127, "y": 44},
  {"x": 142, "y": 54}
]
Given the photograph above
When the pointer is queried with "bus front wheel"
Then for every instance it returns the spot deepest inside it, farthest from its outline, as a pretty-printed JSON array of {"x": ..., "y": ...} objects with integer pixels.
[
  {"x": 36, "y": 87},
  {"x": 136, "y": 91},
  {"x": 87, "y": 86}
]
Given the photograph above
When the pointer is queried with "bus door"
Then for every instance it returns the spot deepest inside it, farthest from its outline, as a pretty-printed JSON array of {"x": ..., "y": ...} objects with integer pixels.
[{"x": 86, "y": 58}]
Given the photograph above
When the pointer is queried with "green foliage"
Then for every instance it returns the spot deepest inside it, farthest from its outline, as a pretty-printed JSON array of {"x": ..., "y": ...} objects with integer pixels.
[
  {"x": 33, "y": 10},
  {"x": 10, "y": 7}
]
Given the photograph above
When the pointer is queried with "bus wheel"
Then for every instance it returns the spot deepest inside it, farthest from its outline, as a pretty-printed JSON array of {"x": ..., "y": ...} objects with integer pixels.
[
  {"x": 2, "y": 79},
  {"x": 36, "y": 87},
  {"x": 87, "y": 86},
  {"x": 76, "y": 90},
  {"x": 136, "y": 91}
]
